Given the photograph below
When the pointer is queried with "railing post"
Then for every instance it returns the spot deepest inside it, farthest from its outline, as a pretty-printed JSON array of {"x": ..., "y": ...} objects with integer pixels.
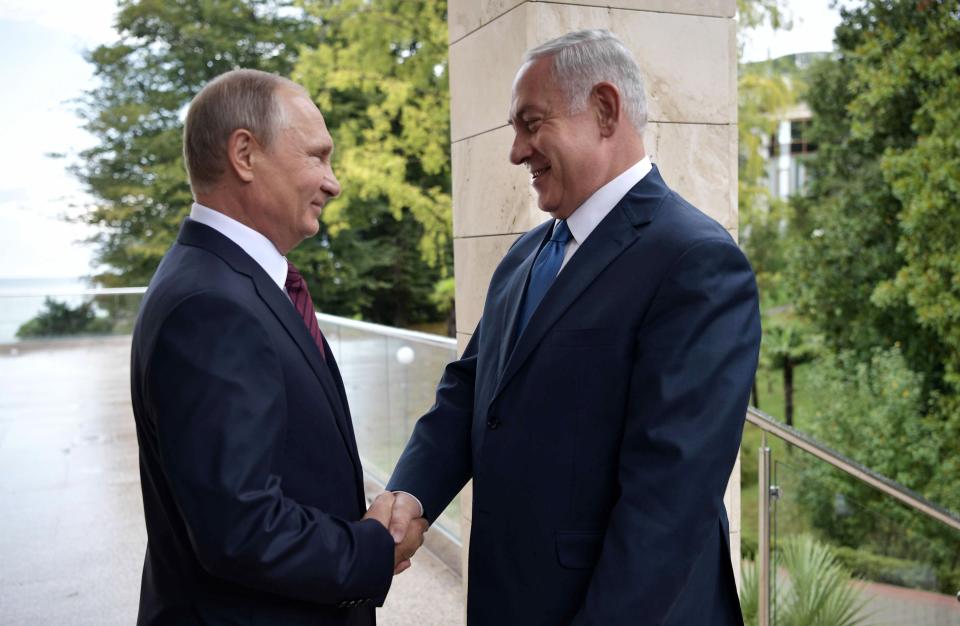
[{"x": 763, "y": 540}]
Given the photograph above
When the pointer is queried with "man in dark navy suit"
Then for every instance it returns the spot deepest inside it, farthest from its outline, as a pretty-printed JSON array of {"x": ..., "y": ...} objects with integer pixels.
[
  {"x": 599, "y": 404},
  {"x": 252, "y": 486}
]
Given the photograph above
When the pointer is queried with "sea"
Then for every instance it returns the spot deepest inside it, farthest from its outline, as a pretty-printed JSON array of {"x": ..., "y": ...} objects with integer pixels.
[{"x": 22, "y": 298}]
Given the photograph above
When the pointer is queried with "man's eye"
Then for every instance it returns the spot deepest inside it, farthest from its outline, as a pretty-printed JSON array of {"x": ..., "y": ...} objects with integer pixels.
[{"x": 533, "y": 125}]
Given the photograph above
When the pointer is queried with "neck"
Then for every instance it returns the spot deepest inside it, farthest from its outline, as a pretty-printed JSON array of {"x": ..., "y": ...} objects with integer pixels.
[
  {"x": 235, "y": 207},
  {"x": 627, "y": 154}
]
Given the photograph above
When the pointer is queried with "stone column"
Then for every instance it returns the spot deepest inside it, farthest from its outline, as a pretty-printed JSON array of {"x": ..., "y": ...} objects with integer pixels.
[{"x": 687, "y": 54}]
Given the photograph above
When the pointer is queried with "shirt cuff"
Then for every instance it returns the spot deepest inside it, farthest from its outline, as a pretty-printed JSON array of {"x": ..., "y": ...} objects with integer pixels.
[{"x": 416, "y": 499}]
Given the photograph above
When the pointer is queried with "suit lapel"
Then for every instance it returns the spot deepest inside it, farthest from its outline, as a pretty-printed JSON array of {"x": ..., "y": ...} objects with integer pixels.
[
  {"x": 283, "y": 309},
  {"x": 348, "y": 423},
  {"x": 513, "y": 298},
  {"x": 196, "y": 234},
  {"x": 614, "y": 234}
]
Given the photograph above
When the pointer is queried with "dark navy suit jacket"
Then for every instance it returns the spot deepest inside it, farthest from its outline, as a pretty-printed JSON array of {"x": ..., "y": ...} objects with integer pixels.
[
  {"x": 601, "y": 439},
  {"x": 252, "y": 486}
]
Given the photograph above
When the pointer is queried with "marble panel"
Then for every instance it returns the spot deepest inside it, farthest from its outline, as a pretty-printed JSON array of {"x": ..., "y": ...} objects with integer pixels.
[
  {"x": 475, "y": 258},
  {"x": 698, "y": 161},
  {"x": 685, "y": 83},
  {"x": 731, "y": 497},
  {"x": 482, "y": 67},
  {"x": 466, "y": 16},
  {"x": 491, "y": 195},
  {"x": 710, "y": 8}
]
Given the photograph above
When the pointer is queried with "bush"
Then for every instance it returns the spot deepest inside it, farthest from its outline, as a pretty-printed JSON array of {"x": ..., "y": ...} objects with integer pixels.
[
  {"x": 818, "y": 591},
  {"x": 887, "y": 569},
  {"x": 58, "y": 319}
]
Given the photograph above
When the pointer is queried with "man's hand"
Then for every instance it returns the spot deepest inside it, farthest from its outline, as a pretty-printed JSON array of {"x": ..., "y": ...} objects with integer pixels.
[
  {"x": 400, "y": 514},
  {"x": 409, "y": 545},
  {"x": 407, "y": 527},
  {"x": 381, "y": 509}
]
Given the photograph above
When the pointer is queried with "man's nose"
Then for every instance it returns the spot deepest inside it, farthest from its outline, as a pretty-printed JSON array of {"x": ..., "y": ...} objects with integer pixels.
[
  {"x": 331, "y": 185},
  {"x": 520, "y": 150}
]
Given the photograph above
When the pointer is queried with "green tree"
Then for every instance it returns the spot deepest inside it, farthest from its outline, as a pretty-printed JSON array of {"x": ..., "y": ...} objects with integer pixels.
[
  {"x": 58, "y": 319},
  {"x": 380, "y": 74},
  {"x": 166, "y": 51},
  {"x": 819, "y": 592},
  {"x": 764, "y": 92},
  {"x": 879, "y": 264},
  {"x": 788, "y": 342},
  {"x": 876, "y": 413}
]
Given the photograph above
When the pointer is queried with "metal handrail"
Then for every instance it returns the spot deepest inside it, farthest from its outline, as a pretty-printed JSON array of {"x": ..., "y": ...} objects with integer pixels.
[
  {"x": 97, "y": 291},
  {"x": 864, "y": 474},
  {"x": 389, "y": 331}
]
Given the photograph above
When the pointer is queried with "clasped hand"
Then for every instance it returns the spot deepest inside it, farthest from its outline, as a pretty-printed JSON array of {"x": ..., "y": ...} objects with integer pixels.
[{"x": 400, "y": 514}]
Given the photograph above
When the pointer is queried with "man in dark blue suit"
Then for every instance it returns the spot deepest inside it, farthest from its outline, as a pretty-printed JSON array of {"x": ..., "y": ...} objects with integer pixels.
[
  {"x": 252, "y": 486},
  {"x": 599, "y": 404}
]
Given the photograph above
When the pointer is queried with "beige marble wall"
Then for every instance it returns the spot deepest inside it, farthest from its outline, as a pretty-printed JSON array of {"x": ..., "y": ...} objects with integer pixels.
[{"x": 687, "y": 52}]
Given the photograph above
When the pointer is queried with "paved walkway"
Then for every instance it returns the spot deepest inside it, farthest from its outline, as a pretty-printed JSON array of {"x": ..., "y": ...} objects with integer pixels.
[{"x": 71, "y": 534}]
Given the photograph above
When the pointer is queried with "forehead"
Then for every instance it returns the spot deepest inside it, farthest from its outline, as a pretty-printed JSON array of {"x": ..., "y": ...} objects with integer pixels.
[
  {"x": 533, "y": 87},
  {"x": 302, "y": 114}
]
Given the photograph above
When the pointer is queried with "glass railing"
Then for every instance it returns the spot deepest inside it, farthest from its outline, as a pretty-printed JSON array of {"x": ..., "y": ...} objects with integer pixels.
[
  {"x": 827, "y": 541},
  {"x": 390, "y": 374},
  {"x": 71, "y": 312}
]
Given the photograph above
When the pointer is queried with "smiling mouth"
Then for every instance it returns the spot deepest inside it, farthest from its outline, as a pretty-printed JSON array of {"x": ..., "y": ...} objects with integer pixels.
[{"x": 539, "y": 172}]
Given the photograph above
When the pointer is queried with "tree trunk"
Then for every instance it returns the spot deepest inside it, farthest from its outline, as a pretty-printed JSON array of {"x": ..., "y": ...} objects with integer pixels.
[{"x": 788, "y": 391}]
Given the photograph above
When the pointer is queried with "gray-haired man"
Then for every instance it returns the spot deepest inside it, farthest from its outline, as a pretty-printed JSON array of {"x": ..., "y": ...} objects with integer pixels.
[{"x": 599, "y": 404}]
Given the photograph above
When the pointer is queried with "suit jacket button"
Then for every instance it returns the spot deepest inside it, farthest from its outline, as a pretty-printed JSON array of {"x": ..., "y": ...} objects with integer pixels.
[{"x": 493, "y": 422}]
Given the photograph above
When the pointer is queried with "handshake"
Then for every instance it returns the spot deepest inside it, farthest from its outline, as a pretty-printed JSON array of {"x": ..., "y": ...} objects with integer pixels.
[{"x": 400, "y": 514}]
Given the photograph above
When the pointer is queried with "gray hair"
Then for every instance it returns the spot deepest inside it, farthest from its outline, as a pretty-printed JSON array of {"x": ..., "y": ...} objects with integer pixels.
[
  {"x": 583, "y": 58},
  {"x": 236, "y": 99}
]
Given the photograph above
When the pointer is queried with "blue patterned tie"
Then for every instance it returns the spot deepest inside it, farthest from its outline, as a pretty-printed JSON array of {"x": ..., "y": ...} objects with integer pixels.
[{"x": 545, "y": 269}]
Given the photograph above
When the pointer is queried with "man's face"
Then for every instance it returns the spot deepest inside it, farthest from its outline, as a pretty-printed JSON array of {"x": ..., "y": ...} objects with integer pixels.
[
  {"x": 562, "y": 151},
  {"x": 294, "y": 173}
]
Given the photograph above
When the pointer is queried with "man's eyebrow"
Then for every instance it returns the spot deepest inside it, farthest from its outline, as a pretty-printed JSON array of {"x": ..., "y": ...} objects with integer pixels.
[{"x": 518, "y": 115}]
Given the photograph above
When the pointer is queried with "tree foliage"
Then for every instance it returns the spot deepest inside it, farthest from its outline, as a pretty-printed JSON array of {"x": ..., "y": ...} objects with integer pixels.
[
  {"x": 876, "y": 413},
  {"x": 380, "y": 75},
  {"x": 58, "y": 319},
  {"x": 880, "y": 263},
  {"x": 166, "y": 51},
  {"x": 819, "y": 591},
  {"x": 764, "y": 93},
  {"x": 378, "y": 72},
  {"x": 877, "y": 270}
]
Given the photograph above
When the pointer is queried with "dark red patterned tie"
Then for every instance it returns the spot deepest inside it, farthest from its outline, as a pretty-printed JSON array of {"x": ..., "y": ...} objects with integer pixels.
[{"x": 300, "y": 295}]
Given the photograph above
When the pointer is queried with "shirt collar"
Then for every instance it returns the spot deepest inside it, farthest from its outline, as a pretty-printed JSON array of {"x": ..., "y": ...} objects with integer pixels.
[
  {"x": 597, "y": 206},
  {"x": 252, "y": 242}
]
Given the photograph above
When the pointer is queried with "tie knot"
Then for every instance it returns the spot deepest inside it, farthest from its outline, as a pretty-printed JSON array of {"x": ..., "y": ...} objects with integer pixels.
[
  {"x": 561, "y": 232},
  {"x": 294, "y": 279}
]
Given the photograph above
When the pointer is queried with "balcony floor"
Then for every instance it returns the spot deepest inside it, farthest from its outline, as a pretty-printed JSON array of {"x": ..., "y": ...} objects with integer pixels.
[{"x": 72, "y": 537}]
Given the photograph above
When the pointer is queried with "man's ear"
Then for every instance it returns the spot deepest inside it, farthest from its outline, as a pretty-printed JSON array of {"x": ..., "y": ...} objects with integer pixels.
[
  {"x": 608, "y": 106},
  {"x": 241, "y": 147}
]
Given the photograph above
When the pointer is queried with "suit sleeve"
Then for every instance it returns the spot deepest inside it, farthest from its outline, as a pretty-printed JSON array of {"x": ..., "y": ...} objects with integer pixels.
[
  {"x": 215, "y": 386},
  {"x": 436, "y": 462},
  {"x": 696, "y": 355}
]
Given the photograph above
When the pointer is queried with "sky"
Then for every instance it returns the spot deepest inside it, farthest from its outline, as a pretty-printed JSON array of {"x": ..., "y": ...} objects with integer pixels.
[{"x": 43, "y": 71}]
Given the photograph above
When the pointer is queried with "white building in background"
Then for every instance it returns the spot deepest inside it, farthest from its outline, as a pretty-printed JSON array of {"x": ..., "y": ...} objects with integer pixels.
[{"x": 786, "y": 152}]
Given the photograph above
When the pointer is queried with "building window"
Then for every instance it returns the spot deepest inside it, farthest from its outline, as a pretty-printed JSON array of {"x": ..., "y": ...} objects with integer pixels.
[{"x": 799, "y": 129}]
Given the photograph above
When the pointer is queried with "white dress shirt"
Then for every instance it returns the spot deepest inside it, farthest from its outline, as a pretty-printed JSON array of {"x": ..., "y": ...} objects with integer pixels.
[
  {"x": 253, "y": 243},
  {"x": 583, "y": 220}
]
